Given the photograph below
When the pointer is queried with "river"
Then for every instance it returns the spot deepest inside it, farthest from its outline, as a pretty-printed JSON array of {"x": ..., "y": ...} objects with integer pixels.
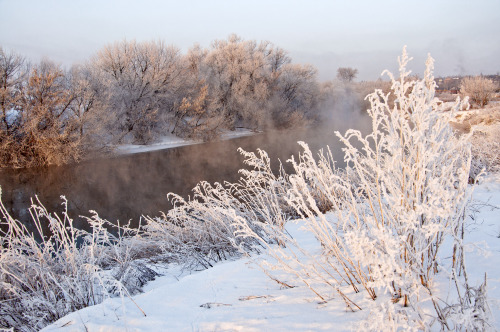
[{"x": 128, "y": 186}]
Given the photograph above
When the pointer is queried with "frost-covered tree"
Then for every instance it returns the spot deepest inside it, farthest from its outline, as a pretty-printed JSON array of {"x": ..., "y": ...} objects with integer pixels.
[
  {"x": 86, "y": 109},
  {"x": 142, "y": 81},
  {"x": 49, "y": 115},
  {"x": 254, "y": 84},
  {"x": 298, "y": 93},
  {"x": 195, "y": 115},
  {"x": 236, "y": 75},
  {"x": 12, "y": 73},
  {"x": 46, "y": 134},
  {"x": 346, "y": 74}
]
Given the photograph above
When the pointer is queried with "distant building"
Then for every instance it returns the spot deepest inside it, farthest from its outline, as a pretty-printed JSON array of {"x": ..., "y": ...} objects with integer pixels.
[
  {"x": 448, "y": 84},
  {"x": 451, "y": 84}
]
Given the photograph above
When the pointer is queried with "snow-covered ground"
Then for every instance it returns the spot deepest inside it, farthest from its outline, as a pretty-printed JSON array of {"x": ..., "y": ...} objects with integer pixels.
[
  {"x": 238, "y": 296},
  {"x": 172, "y": 141}
]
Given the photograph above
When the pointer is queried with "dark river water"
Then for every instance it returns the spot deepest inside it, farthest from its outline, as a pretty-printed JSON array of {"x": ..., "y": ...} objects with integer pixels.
[{"x": 128, "y": 186}]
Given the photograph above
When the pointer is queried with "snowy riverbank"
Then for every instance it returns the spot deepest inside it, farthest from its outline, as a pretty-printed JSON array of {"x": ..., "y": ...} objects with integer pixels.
[{"x": 237, "y": 295}]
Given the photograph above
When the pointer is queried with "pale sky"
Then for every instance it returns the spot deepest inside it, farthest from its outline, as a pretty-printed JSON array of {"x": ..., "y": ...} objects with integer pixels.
[{"x": 462, "y": 36}]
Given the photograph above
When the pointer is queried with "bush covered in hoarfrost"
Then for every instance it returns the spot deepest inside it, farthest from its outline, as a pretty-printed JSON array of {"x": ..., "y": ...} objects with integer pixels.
[
  {"x": 201, "y": 231},
  {"x": 47, "y": 273},
  {"x": 479, "y": 89}
]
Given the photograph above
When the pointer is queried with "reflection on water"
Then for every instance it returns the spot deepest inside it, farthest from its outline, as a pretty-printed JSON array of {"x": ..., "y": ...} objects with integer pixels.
[{"x": 126, "y": 187}]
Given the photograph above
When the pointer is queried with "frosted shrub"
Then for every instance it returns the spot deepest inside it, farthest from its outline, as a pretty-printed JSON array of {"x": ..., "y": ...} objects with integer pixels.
[
  {"x": 47, "y": 273},
  {"x": 198, "y": 231},
  {"x": 404, "y": 191},
  {"x": 479, "y": 89},
  {"x": 202, "y": 230},
  {"x": 413, "y": 175},
  {"x": 485, "y": 147}
]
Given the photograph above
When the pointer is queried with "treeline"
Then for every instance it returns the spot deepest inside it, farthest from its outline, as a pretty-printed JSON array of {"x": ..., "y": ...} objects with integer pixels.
[{"x": 135, "y": 91}]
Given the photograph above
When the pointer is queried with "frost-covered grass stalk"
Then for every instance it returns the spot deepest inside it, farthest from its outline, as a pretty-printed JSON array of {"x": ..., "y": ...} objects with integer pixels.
[
  {"x": 202, "y": 230},
  {"x": 403, "y": 192},
  {"x": 49, "y": 272}
]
